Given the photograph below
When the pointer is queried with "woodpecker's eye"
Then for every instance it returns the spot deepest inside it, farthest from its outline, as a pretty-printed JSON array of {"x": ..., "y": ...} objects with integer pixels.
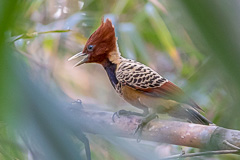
[{"x": 90, "y": 47}]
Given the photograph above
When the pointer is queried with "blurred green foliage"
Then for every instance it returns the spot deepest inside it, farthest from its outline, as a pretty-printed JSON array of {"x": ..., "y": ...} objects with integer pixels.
[{"x": 192, "y": 43}]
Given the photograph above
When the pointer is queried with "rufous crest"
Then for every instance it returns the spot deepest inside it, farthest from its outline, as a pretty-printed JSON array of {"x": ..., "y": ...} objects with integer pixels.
[
  {"x": 101, "y": 43},
  {"x": 101, "y": 46}
]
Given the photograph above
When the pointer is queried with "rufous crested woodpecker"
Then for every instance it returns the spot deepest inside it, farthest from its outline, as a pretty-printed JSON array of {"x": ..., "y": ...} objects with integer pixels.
[{"x": 137, "y": 83}]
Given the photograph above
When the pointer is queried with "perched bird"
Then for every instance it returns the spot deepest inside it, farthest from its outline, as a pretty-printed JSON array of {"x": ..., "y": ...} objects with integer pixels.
[{"x": 138, "y": 84}]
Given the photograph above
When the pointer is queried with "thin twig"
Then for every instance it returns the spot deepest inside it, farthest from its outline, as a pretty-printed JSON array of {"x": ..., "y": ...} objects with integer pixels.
[
  {"x": 201, "y": 154},
  {"x": 35, "y": 34},
  {"x": 231, "y": 145}
]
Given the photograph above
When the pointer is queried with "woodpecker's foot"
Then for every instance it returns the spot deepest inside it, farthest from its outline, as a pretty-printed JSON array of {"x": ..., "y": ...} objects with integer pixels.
[
  {"x": 143, "y": 123},
  {"x": 123, "y": 112}
]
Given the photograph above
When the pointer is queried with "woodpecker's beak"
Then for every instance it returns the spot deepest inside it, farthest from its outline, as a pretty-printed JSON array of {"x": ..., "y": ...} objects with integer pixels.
[{"x": 79, "y": 55}]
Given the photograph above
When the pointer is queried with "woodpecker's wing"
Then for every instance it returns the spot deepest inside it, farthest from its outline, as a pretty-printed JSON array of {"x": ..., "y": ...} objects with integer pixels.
[{"x": 143, "y": 78}]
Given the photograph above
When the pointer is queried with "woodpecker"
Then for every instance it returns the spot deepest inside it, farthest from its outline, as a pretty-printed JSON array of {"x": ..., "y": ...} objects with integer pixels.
[{"x": 137, "y": 83}]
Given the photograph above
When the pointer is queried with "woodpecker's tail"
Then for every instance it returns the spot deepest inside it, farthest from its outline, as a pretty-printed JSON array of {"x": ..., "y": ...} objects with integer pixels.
[
  {"x": 196, "y": 117},
  {"x": 190, "y": 114}
]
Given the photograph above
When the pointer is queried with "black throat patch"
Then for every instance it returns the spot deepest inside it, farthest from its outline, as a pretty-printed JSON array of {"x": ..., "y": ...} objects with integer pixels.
[{"x": 110, "y": 69}]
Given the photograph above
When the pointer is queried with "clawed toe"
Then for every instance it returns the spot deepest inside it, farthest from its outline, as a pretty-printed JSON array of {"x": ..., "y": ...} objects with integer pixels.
[
  {"x": 138, "y": 131},
  {"x": 123, "y": 112},
  {"x": 113, "y": 116},
  {"x": 118, "y": 113},
  {"x": 142, "y": 124}
]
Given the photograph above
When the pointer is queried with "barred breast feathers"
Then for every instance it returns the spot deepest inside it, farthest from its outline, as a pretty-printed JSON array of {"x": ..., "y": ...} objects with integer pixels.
[{"x": 137, "y": 75}]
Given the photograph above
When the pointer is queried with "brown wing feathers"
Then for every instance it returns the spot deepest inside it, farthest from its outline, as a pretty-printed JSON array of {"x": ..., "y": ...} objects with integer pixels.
[
  {"x": 138, "y": 75},
  {"x": 143, "y": 78},
  {"x": 170, "y": 91}
]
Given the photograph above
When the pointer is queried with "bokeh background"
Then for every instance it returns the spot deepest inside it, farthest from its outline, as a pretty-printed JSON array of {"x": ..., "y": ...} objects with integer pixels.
[{"x": 195, "y": 44}]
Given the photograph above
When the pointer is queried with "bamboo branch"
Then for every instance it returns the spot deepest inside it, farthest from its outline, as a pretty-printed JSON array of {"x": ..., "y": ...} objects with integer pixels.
[
  {"x": 201, "y": 154},
  {"x": 171, "y": 132}
]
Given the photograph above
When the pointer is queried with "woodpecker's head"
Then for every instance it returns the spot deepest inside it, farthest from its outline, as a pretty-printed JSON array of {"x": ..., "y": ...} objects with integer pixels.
[{"x": 101, "y": 45}]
